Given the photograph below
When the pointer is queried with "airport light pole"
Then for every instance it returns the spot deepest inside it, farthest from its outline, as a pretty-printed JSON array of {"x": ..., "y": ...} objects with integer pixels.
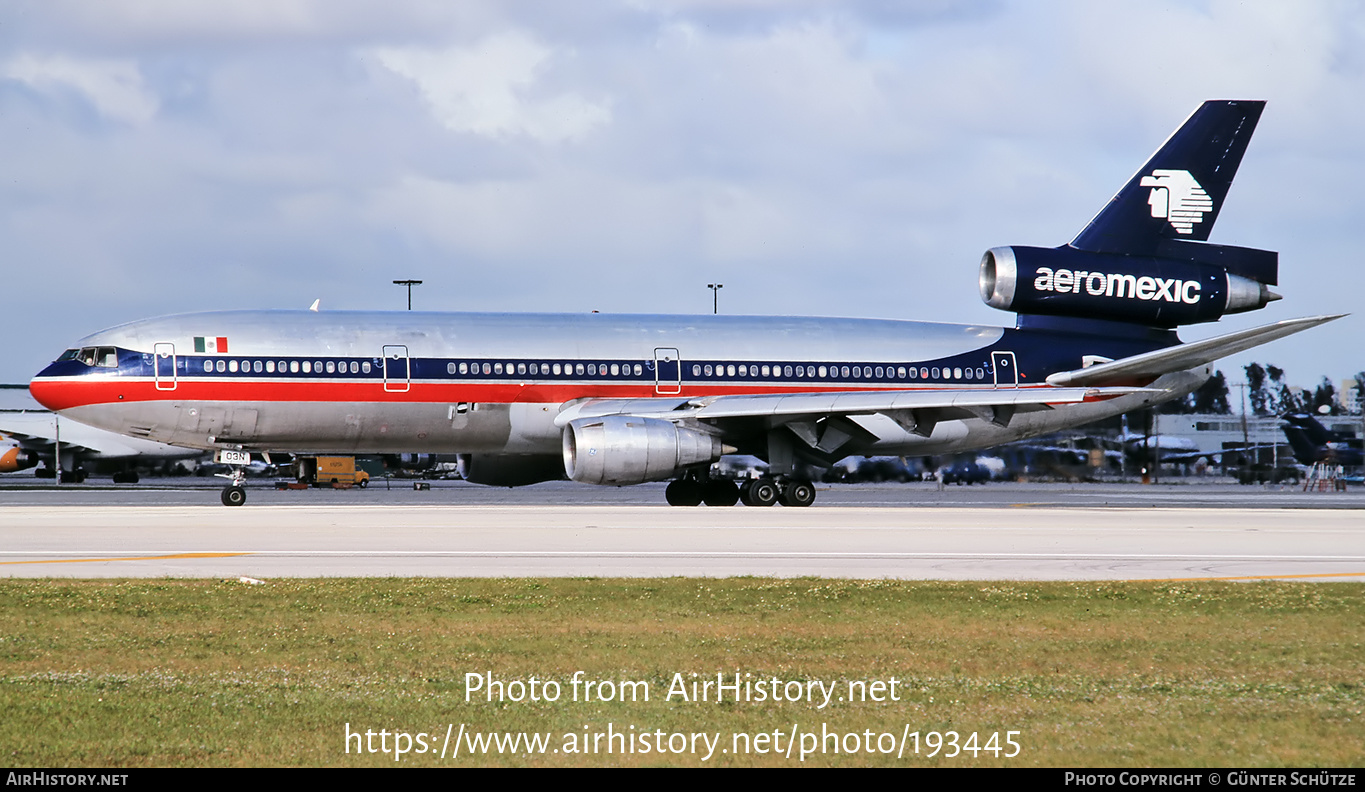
[
  {"x": 409, "y": 284},
  {"x": 715, "y": 290}
]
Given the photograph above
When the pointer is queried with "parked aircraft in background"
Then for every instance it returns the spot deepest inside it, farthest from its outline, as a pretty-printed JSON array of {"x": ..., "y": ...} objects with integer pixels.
[
  {"x": 1164, "y": 449},
  {"x": 31, "y": 437},
  {"x": 1163, "y": 443},
  {"x": 618, "y": 400},
  {"x": 858, "y": 469},
  {"x": 973, "y": 471},
  {"x": 1313, "y": 443},
  {"x": 14, "y": 456}
]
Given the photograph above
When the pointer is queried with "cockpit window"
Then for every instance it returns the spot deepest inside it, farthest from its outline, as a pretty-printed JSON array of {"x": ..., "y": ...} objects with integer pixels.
[{"x": 103, "y": 357}]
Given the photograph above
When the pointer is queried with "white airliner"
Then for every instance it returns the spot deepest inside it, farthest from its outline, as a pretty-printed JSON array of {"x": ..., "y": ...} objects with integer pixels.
[
  {"x": 627, "y": 399},
  {"x": 30, "y": 437}
]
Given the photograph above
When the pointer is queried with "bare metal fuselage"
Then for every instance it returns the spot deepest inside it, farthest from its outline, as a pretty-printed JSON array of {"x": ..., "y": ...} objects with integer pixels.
[{"x": 347, "y": 382}]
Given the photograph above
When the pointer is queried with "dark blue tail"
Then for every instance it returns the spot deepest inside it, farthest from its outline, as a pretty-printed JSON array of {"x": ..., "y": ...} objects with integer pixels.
[
  {"x": 1315, "y": 431},
  {"x": 1177, "y": 195},
  {"x": 1306, "y": 452},
  {"x": 1313, "y": 442}
]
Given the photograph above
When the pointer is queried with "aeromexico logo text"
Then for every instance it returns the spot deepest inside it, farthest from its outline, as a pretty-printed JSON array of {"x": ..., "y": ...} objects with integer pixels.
[{"x": 1100, "y": 284}]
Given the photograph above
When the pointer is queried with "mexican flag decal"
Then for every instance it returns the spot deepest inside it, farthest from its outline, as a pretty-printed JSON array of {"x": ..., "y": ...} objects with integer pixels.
[{"x": 211, "y": 344}]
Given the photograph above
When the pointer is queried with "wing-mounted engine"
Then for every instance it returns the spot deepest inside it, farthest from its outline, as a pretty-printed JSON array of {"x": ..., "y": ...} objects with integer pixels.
[
  {"x": 626, "y": 449},
  {"x": 13, "y": 457},
  {"x": 1193, "y": 283}
]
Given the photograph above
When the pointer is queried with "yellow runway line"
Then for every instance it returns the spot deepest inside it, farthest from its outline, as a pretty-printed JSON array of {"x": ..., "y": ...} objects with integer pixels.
[
  {"x": 1250, "y": 577},
  {"x": 129, "y": 558}
]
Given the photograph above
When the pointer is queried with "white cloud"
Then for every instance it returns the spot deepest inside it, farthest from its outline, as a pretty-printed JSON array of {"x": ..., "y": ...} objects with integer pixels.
[
  {"x": 114, "y": 87},
  {"x": 488, "y": 89}
]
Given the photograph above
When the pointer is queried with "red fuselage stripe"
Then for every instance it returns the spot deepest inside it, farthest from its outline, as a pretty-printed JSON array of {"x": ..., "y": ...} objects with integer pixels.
[{"x": 62, "y": 394}]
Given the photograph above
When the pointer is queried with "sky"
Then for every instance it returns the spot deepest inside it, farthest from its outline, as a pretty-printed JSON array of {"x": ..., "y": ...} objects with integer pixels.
[{"x": 817, "y": 158}]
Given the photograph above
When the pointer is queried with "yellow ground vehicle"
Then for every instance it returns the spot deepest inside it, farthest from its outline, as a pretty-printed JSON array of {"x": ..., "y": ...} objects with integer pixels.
[{"x": 339, "y": 472}]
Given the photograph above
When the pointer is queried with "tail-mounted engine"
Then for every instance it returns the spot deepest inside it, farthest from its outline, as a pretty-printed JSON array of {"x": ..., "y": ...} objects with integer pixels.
[{"x": 1187, "y": 284}]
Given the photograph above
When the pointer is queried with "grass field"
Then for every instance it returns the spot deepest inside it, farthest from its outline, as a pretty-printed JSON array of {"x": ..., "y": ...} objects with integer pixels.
[{"x": 208, "y": 673}]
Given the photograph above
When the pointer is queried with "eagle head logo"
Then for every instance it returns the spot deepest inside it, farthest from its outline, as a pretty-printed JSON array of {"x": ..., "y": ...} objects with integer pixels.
[{"x": 1177, "y": 197}]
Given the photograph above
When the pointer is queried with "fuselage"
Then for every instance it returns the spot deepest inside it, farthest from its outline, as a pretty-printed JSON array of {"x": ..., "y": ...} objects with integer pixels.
[{"x": 397, "y": 382}]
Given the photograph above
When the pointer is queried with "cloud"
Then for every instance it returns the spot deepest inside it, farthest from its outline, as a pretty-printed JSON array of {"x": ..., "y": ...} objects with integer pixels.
[
  {"x": 488, "y": 89},
  {"x": 114, "y": 87}
]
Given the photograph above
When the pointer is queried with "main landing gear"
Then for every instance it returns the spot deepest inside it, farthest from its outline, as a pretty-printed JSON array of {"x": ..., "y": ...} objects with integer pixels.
[{"x": 762, "y": 491}]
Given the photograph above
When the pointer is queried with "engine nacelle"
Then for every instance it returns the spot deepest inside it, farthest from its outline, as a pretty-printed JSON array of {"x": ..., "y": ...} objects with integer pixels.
[
  {"x": 622, "y": 449},
  {"x": 13, "y": 458},
  {"x": 509, "y": 470},
  {"x": 1158, "y": 291}
]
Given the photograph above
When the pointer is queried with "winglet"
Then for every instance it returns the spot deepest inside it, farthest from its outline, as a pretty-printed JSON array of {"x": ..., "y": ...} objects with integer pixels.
[{"x": 314, "y": 306}]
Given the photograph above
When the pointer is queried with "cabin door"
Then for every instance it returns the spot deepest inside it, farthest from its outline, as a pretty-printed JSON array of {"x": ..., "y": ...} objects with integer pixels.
[
  {"x": 1004, "y": 368},
  {"x": 163, "y": 362},
  {"x": 397, "y": 370},
  {"x": 667, "y": 371}
]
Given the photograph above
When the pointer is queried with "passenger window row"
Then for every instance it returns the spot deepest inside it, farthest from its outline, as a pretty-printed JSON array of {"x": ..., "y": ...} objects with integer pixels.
[
  {"x": 483, "y": 368},
  {"x": 237, "y": 365},
  {"x": 835, "y": 372},
  {"x": 498, "y": 368}
]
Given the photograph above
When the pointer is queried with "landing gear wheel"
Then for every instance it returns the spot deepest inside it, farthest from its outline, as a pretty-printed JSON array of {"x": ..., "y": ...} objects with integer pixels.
[
  {"x": 234, "y": 495},
  {"x": 760, "y": 492},
  {"x": 720, "y": 492},
  {"x": 683, "y": 492},
  {"x": 126, "y": 477},
  {"x": 798, "y": 493}
]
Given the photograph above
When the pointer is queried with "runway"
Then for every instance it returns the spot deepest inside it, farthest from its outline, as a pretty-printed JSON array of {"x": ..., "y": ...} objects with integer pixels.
[{"x": 1007, "y": 539}]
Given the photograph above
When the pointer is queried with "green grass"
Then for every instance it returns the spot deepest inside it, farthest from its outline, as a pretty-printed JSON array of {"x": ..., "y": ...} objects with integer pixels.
[{"x": 138, "y": 673}]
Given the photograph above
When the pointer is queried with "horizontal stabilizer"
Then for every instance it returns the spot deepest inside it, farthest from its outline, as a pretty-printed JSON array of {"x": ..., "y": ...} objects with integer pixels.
[{"x": 1185, "y": 356}]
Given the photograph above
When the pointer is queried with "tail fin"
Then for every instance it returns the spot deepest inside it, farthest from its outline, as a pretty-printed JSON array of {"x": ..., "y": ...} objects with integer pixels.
[
  {"x": 1177, "y": 195},
  {"x": 1305, "y": 450},
  {"x": 1311, "y": 428}
]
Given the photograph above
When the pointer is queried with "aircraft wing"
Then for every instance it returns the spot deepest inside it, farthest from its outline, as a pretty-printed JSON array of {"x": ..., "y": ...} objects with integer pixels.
[
  {"x": 38, "y": 443},
  {"x": 1177, "y": 457},
  {"x": 36, "y": 432},
  {"x": 916, "y": 410},
  {"x": 1186, "y": 356}
]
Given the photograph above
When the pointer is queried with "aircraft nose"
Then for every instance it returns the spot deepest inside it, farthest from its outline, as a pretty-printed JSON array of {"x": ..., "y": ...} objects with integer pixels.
[{"x": 54, "y": 393}]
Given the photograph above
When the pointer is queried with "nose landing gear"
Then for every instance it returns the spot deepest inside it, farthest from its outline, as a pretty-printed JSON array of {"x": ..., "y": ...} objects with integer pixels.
[{"x": 234, "y": 494}]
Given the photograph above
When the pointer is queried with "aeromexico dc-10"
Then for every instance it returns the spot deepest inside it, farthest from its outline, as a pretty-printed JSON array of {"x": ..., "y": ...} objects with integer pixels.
[{"x": 627, "y": 399}]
